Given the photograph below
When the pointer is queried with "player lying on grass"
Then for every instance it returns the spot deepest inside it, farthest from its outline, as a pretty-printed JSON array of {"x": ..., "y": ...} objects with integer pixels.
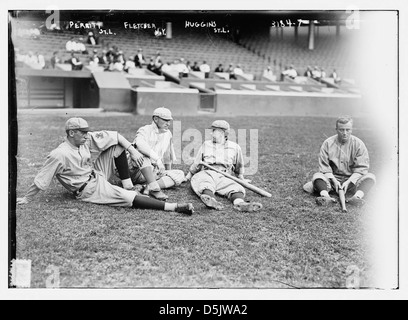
[
  {"x": 226, "y": 156},
  {"x": 83, "y": 164},
  {"x": 343, "y": 163},
  {"x": 154, "y": 142}
]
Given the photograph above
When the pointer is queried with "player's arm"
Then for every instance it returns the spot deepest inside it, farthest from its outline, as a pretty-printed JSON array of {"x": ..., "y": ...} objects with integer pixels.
[
  {"x": 135, "y": 154},
  {"x": 29, "y": 196},
  {"x": 143, "y": 146},
  {"x": 42, "y": 180},
  {"x": 361, "y": 164},
  {"x": 239, "y": 165},
  {"x": 195, "y": 166},
  {"x": 324, "y": 166}
]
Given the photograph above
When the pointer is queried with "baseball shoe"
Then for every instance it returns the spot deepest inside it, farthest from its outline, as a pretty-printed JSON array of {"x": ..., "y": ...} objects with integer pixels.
[
  {"x": 308, "y": 187},
  {"x": 211, "y": 202},
  {"x": 138, "y": 188},
  {"x": 248, "y": 206},
  {"x": 157, "y": 194},
  {"x": 325, "y": 201},
  {"x": 186, "y": 208},
  {"x": 354, "y": 201}
]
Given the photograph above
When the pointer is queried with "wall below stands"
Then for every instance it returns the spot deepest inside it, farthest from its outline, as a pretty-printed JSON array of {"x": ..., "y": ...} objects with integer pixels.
[
  {"x": 180, "y": 101},
  {"x": 234, "y": 103}
]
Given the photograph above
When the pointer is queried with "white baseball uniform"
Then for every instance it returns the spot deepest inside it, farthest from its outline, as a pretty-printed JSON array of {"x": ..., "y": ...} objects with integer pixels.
[
  {"x": 226, "y": 157},
  {"x": 154, "y": 145}
]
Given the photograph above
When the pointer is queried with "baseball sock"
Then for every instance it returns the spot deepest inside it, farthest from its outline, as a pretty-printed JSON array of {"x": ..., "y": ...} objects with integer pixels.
[
  {"x": 320, "y": 185},
  {"x": 365, "y": 187},
  {"x": 165, "y": 182},
  {"x": 237, "y": 198},
  {"x": 142, "y": 202},
  {"x": 208, "y": 192},
  {"x": 123, "y": 170},
  {"x": 150, "y": 178}
]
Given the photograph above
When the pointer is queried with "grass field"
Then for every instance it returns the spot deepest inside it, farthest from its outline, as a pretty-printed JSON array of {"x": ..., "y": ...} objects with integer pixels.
[{"x": 292, "y": 243}]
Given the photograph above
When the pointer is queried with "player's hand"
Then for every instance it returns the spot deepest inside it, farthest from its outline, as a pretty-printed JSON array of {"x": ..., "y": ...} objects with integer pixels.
[
  {"x": 345, "y": 185},
  {"x": 188, "y": 176},
  {"x": 23, "y": 200},
  {"x": 336, "y": 184},
  {"x": 137, "y": 157},
  {"x": 160, "y": 166},
  {"x": 241, "y": 177}
]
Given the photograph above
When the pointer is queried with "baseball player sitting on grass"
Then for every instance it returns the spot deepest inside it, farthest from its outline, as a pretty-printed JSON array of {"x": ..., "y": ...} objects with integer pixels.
[
  {"x": 154, "y": 142},
  {"x": 84, "y": 162},
  {"x": 225, "y": 156},
  {"x": 343, "y": 163}
]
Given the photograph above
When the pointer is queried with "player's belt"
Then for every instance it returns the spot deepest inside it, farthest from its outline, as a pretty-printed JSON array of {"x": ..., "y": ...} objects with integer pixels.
[{"x": 92, "y": 175}]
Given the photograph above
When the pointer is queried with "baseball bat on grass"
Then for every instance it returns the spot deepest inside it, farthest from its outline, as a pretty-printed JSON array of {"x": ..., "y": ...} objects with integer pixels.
[
  {"x": 241, "y": 182},
  {"x": 342, "y": 200}
]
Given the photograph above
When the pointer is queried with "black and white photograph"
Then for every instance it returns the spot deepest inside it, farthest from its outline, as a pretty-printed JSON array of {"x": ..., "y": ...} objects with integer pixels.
[{"x": 203, "y": 153}]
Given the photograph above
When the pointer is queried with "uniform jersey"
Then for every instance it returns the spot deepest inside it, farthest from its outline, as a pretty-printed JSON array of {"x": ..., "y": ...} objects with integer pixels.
[
  {"x": 343, "y": 160},
  {"x": 155, "y": 144},
  {"x": 226, "y": 157},
  {"x": 73, "y": 165}
]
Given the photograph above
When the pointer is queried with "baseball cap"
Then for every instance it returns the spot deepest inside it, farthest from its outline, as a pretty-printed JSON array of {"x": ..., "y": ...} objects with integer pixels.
[
  {"x": 76, "y": 124},
  {"x": 220, "y": 124},
  {"x": 163, "y": 113}
]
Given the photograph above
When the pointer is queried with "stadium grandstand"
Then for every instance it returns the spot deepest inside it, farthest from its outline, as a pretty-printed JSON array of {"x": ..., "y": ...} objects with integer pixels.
[{"x": 280, "y": 62}]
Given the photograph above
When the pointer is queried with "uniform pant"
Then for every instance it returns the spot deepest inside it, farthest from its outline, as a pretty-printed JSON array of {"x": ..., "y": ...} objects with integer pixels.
[
  {"x": 216, "y": 183},
  {"x": 99, "y": 190},
  {"x": 368, "y": 179}
]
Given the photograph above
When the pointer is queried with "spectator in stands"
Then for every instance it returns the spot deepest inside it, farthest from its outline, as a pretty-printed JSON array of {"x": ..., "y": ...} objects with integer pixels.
[
  {"x": 159, "y": 66},
  {"x": 219, "y": 68},
  {"x": 268, "y": 72},
  {"x": 80, "y": 46},
  {"x": 70, "y": 45},
  {"x": 188, "y": 65},
  {"x": 204, "y": 67},
  {"x": 139, "y": 59},
  {"x": 151, "y": 66},
  {"x": 75, "y": 62},
  {"x": 118, "y": 64},
  {"x": 31, "y": 59},
  {"x": 94, "y": 60},
  {"x": 316, "y": 74},
  {"x": 291, "y": 72},
  {"x": 40, "y": 60},
  {"x": 157, "y": 58},
  {"x": 195, "y": 66},
  {"x": 54, "y": 59},
  {"x": 238, "y": 70},
  {"x": 91, "y": 39},
  {"x": 19, "y": 57},
  {"x": 308, "y": 72},
  {"x": 230, "y": 70},
  {"x": 129, "y": 65},
  {"x": 166, "y": 67},
  {"x": 102, "y": 58},
  {"x": 183, "y": 68},
  {"x": 335, "y": 76},
  {"x": 54, "y": 27}
]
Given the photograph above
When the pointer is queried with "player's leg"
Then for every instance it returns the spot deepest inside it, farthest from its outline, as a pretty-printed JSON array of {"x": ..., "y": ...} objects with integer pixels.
[
  {"x": 322, "y": 187},
  {"x": 236, "y": 194},
  {"x": 115, "y": 157},
  {"x": 361, "y": 189},
  {"x": 203, "y": 185},
  {"x": 171, "y": 178},
  {"x": 143, "y": 202},
  {"x": 152, "y": 186}
]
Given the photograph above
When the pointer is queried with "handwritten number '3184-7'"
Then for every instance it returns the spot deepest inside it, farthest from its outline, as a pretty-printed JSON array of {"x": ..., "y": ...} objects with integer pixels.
[{"x": 286, "y": 23}]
